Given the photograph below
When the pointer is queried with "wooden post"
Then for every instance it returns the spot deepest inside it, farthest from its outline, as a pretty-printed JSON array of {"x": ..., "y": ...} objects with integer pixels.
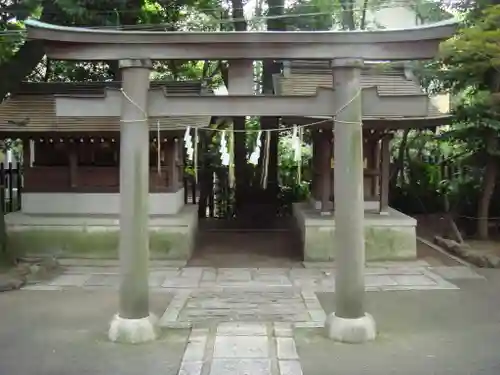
[
  {"x": 385, "y": 155},
  {"x": 133, "y": 323},
  {"x": 73, "y": 164},
  {"x": 349, "y": 322},
  {"x": 173, "y": 161},
  {"x": 376, "y": 158},
  {"x": 325, "y": 170},
  {"x": 10, "y": 187},
  {"x": 314, "y": 164}
]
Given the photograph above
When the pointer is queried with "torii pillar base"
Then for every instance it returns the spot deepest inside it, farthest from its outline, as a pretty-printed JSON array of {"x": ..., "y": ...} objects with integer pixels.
[
  {"x": 351, "y": 331},
  {"x": 133, "y": 331}
]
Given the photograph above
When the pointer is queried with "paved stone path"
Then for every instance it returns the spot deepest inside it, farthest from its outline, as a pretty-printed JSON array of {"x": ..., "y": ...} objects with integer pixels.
[{"x": 241, "y": 348}]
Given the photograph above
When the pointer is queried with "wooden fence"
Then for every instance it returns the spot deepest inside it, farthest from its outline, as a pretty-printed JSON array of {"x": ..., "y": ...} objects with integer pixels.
[{"x": 11, "y": 181}]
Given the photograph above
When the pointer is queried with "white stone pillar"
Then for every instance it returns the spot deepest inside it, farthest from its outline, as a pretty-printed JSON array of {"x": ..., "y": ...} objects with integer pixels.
[
  {"x": 240, "y": 77},
  {"x": 134, "y": 323},
  {"x": 349, "y": 323}
]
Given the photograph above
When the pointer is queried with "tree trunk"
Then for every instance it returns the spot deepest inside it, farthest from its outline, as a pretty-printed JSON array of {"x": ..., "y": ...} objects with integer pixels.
[
  {"x": 489, "y": 182},
  {"x": 240, "y": 163},
  {"x": 400, "y": 162},
  {"x": 347, "y": 15},
  {"x": 269, "y": 68},
  {"x": 362, "y": 25},
  {"x": 491, "y": 169}
]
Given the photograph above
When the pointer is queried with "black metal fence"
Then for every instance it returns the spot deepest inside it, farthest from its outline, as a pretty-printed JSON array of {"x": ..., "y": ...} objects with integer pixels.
[{"x": 11, "y": 181}]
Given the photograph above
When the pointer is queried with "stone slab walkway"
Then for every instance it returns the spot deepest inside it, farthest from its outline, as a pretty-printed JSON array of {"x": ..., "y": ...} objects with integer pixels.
[{"x": 241, "y": 348}]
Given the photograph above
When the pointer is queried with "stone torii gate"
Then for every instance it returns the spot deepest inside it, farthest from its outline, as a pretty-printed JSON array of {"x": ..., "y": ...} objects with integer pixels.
[{"x": 346, "y": 49}]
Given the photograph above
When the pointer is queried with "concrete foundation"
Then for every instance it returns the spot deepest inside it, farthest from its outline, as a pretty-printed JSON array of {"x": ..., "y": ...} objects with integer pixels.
[
  {"x": 387, "y": 237},
  {"x": 96, "y": 203},
  {"x": 96, "y": 236},
  {"x": 133, "y": 331},
  {"x": 351, "y": 331}
]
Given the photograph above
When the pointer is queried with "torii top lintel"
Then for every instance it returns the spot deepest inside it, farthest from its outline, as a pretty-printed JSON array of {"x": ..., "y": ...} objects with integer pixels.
[{"x": 75, "y": 43}]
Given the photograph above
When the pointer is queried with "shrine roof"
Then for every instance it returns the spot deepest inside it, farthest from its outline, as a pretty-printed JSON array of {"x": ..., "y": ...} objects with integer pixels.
[
  {"x": 32, "y": 108},
  {"x": 99, "y": 88},
  {"x": 391, "y": 81}
]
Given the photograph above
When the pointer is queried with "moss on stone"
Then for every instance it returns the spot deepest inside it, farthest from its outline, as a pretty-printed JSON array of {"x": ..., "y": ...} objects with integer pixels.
[
  {"x": 382, "y": 243},
  {"x": 94, "y": 244}
]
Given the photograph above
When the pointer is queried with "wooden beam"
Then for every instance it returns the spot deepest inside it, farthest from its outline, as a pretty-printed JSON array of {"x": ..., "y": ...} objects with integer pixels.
[
  {"x": 173, "y": 164},
  {"x": 376, "y": 157},
  {"x": 315, "y": 164},
  {"x": 73, "y": 165},
  {"x": 385, "y": 159}
]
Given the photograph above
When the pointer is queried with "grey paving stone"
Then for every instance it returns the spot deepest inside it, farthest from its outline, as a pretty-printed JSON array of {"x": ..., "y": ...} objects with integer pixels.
[
  {"x": 379, "y": 280},
  {"x": 286, "y": 348},
  {"x": 309, "y": 294},
  {"x": 245, "y": 305},
  {"x": 181, "y": 282},
  {"x": 234, "y": 274},
  {"x": 76, "y": 280},
  {"x": 195, "y": 348},
  {"x": 457, "y": 272},
  {"x": 405, "y": 270},
  {"x": 446, "y": 286},
  {"x": 309, "y": 324},
  {"x": 240, "y": 367},
  {"x": 190, "y": 368},
  {"x": 270, "y": 271},
  {"x": 41, "y": 287},
  {"x": 93, "y": 270},
  {"x": 406, "y": 264},
  {"x": 317, "y": 315},
  {"x": 283, "y": 329},
  {"x": 192, "y": 272},
  {"x": 241, "y": 347},
  {"x": 156, "y": 279},
  {"x": 171, "y": 314},
  {"x": 209, "y": 274},
  {"x": 412, "y": 280},
  {"x": 318, "y": 264},
  {"x": 177, "y": 325},
  {"x": 103, "y": 280},
  {"x": 241, "y": 329},
  {"x": 376, "y": 271},
  {"x": 290, "y": 368}
]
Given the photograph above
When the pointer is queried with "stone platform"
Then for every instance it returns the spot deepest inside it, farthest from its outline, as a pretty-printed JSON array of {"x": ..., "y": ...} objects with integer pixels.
[
  {"x": 96, "y": 236},
  {"x": 387, "y": 237}
]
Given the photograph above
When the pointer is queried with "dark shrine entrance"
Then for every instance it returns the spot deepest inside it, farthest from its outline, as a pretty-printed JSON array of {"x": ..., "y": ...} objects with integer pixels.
[{"x": 245, "y": 224}]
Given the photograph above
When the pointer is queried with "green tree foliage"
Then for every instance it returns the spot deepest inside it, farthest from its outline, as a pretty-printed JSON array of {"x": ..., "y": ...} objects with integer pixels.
[{"x": 468, "y": 69}]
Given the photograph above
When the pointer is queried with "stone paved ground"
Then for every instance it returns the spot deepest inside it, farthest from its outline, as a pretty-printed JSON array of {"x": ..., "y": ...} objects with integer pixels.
[
  {"x": 208, "y": 295},
  {"x": 241, "y": 348},
  {"x": 244, "y": 321}
]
